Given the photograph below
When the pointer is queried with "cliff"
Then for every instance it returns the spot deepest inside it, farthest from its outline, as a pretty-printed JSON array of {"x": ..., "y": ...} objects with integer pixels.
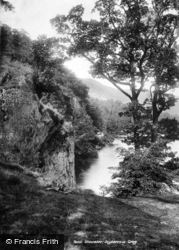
[{"x": 36, "y": 133}]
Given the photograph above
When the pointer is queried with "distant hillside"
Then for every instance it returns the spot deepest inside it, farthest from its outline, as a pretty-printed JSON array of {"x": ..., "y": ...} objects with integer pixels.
[{"x": 102, "y": 92}]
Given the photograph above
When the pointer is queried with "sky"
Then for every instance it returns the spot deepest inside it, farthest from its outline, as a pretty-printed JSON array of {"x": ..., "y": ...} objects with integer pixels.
[{"x": 34, "y": 15}]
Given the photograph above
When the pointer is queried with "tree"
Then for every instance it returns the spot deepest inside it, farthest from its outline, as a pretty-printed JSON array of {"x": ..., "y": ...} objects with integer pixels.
[
  {"x": 21, "y": 46},
  {"x": 143, "y": 123},
  {"x": 94, "y": 112},
  {"x": 131, "y": 42},
  {"x": 49, "y": 72},
  {"x": 170, "y": 128},
  {"x": 44, "y": 50},
  {"x": 164, "y": 58},
  {"x": 145, "y": 172},
  {"x": 5, "y": 41},
  {"x": 6, "y": 5},
  {"x": 84, "y": 133},
  {"x": 15, "y": 44},
  {"x": 45, "y": 64},
  {"x": 113, "y": 124}
]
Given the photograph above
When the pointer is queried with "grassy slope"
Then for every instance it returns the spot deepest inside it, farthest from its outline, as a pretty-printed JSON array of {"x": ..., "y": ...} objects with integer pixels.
[{"x": 27, "y": 208}]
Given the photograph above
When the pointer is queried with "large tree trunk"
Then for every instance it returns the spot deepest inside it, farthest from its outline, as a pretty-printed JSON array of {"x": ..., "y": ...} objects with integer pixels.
[
  {"x": 154, "y": 133},
  {"x": 135, "y": 122},
  {"x": 155, "y": 114},
  {"x": 136, "y": 138}
]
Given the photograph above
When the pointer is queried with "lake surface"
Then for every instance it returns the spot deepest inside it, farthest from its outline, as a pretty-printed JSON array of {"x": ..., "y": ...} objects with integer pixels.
[{"x": 98, "y": 172}]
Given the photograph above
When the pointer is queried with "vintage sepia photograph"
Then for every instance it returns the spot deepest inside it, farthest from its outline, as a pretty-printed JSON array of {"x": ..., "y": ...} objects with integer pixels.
[{"x": 89, "y": 124}]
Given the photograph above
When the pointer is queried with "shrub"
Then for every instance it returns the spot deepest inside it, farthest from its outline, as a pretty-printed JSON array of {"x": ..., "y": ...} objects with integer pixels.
[{"x": 143, "y": 172}]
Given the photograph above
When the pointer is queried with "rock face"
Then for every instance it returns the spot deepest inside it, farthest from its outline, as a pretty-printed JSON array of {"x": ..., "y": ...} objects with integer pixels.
[{"x": 35, "y": 133}]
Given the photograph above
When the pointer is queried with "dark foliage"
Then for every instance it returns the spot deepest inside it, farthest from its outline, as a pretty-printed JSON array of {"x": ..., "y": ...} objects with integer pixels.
[
  {"x": 144, "y": 172},
  {"x": 169, "y": 128},
  {"x": 112, "y": 124},
  {"x": 95, "y": 113},
  {"x": 7, "y": 6},
  {"x": 16, "y": 44}
]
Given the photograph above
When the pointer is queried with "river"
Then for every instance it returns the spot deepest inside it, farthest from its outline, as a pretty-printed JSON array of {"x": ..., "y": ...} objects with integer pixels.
[{"x": 98, "y": 173}]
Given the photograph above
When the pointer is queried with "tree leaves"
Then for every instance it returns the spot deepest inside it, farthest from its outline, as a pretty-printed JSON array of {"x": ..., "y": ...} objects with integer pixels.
[
  {"x": 130, "y": 42},
  {"x": 6, "y": 5},
  {"x": 144, "y": 172},
  {"x": 127, "y": 33},
  {"x": 16, "y": 44}
]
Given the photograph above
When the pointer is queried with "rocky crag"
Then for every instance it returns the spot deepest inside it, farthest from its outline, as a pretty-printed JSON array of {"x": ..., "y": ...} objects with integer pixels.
[{"x": 36, "y": 133}]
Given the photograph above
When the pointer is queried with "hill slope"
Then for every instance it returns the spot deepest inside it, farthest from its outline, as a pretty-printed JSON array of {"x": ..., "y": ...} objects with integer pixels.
[{"x": 102, "y": 92}]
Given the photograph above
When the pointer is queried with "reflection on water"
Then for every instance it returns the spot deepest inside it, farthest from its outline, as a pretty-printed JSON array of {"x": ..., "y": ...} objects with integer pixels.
[{"x": 98, "y": 172}]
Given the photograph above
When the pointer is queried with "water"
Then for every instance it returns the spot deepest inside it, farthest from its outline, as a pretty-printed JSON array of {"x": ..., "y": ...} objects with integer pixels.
[{"x": 99, "y": 173}]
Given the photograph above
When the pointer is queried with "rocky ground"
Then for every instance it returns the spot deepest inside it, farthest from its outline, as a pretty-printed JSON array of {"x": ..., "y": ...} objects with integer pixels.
[{"x": 87, "y": 221}]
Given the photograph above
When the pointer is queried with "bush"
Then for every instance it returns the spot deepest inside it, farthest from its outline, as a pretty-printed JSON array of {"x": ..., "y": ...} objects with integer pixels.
[{"x": 143, "y": 172}]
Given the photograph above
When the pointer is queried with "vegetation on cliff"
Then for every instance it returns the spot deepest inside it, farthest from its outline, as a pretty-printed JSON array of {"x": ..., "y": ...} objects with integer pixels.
[{"x": 58, "y": 96}]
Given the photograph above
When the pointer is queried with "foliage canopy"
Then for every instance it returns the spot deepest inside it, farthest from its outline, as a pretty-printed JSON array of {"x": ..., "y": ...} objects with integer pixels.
[
  {"x": 130, "y": 43},
  {"x": 7, "y": 6}
]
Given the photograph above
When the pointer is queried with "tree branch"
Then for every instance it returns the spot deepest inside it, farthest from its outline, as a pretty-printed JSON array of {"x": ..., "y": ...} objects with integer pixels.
[
  {"x": 110, "y": 79},
  {"x": 142, "y": 72},
  {"x": 124, "y": 83},
  {"x": 53, "y": 112}
]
